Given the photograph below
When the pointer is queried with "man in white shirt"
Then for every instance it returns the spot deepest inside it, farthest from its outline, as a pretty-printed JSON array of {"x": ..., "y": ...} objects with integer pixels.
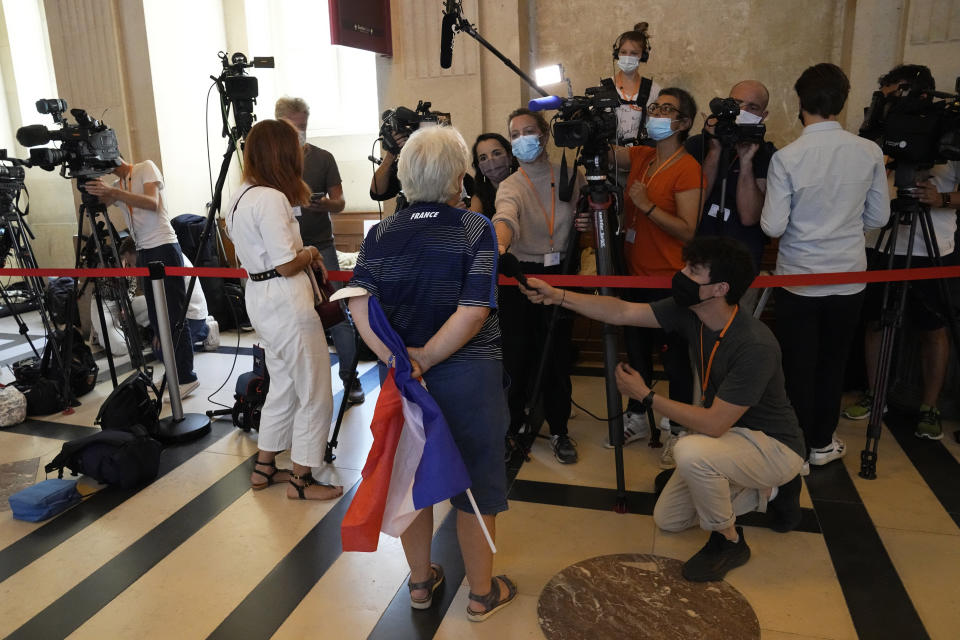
[
  {"x": 141, "y": 190},
  {"x": 823, "y": 190},
  {"x": 924, "y": 308}
]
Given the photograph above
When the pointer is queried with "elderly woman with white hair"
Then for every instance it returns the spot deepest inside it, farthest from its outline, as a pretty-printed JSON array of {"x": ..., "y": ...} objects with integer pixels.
[{"x": 432, "y": 267}]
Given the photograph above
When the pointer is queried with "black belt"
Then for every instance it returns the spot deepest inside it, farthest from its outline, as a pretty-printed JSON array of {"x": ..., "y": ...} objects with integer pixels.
[{"x": 264, "y": 275}]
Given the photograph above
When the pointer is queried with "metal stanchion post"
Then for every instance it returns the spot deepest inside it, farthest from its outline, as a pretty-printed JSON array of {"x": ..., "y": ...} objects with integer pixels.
[{"x": 179, "y": 427}]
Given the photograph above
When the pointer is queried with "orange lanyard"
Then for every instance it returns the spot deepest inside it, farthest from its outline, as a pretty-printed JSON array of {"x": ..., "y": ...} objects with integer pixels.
[
  {"x": 650, "y": 179},
  {"x": 706, "y": 374},
  {"x": 553, "y": 202}
]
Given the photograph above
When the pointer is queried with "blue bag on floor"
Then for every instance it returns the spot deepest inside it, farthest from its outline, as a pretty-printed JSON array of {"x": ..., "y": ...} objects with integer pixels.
[{"x": 44, "y": 499}]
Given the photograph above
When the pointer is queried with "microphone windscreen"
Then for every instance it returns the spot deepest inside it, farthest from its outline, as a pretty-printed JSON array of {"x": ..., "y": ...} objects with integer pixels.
[
  {"x": 33, "y": 135},
  {"x": 510, "y": 267},
  {"x": 446, "y": 39},
  {"x": 546, "y": 103}
]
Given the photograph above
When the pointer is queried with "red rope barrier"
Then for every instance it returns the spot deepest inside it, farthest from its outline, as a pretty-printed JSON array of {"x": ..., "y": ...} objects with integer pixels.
[{"x": 587, "y": 282}]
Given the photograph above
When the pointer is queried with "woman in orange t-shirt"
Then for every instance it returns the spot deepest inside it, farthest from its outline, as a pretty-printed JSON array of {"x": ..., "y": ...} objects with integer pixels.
[{"x": 661, "y": 214}]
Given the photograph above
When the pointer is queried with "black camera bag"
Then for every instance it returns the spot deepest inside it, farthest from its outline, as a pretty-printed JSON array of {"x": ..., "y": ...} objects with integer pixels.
[
  {"x": 131, "y": 404},
  {"x": 124, "y": 459}
]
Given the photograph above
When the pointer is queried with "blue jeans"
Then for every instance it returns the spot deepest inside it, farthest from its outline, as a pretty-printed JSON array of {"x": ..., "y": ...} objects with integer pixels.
[
  {"x": 344, "y": 337},
  {"x": 176, "y": 294},
  {"x": 198, "y": 330}
]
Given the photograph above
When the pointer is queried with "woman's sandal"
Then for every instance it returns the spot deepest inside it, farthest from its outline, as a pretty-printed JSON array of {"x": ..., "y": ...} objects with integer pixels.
[
  {"x": 492, "y": 602},
  {"x": 431, "y": 584},
  {"x": 257, "y": 486},
  {"x": 309, "y": 480}
]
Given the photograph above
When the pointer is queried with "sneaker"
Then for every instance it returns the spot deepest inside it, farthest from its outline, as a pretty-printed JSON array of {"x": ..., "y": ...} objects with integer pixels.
[
  {"x": 833, "y": 451},
  {"x": 784, "y": 509},
  {"x": 859, "y": 410},
  {"x": 356, "y": 395},
  {"x": 666, "y": 456},
  {"x": 564, "y": 449},
  {"x": 928, "y": 426},
  {"x": 716, "y": 558},
  {"x": 636, "y": 426}
]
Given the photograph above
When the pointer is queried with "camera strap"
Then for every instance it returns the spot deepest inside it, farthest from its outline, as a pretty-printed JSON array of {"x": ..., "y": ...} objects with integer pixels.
[{"x": 566, "y": 186}]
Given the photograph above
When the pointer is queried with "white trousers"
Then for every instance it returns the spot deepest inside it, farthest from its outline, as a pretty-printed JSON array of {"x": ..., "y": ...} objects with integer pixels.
[
  {"x": 718, "y": 479},
  {"x": 296, "y": 414},
  {"x": 115, "y": 335}
]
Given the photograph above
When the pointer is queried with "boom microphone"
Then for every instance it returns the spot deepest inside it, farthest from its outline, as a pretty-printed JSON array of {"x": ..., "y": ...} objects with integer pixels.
[
  {"x": 510, "y": 267},
  {"x": 33, "y": 135},
  {"x": 447, "y": 30}
]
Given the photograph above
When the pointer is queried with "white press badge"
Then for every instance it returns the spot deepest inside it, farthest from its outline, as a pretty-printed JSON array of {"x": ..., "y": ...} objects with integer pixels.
[
  {"x": 715, "y": 209},
  {"x": 631, "y": 235},
  {"x": 551, "y": 259}
]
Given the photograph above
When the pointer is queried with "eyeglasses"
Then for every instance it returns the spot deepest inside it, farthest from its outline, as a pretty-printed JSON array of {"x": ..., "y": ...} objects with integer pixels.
[{"x": 665, "y": 109}]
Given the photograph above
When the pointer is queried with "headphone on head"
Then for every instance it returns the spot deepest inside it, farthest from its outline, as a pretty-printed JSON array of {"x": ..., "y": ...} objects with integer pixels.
[{"x": 645, "y": 40}]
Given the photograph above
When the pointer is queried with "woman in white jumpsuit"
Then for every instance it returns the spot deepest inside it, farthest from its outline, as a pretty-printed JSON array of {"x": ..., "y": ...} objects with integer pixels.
[{"x": 280, "y": 302}]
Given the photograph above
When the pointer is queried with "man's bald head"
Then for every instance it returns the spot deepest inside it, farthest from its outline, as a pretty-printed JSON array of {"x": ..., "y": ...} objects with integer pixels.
[{"x": 752, "y": 96}]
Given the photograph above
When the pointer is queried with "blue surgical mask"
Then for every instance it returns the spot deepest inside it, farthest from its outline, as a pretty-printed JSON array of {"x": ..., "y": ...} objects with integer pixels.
[
  {"x": 526, "y": 148},
  {"x": 659, "y": 128}
]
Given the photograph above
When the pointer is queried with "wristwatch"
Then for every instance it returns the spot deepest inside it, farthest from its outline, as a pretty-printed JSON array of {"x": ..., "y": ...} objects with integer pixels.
[
  {"x": 945, "y": 199},
  {"x": 647, "y": 402}
]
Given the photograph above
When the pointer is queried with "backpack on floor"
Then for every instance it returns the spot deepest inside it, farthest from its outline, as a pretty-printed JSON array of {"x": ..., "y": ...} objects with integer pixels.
[
  {"x": 44, "y": 499},
  {"x": 124, "y": 459},
  {"x": 131, "y": 404}
]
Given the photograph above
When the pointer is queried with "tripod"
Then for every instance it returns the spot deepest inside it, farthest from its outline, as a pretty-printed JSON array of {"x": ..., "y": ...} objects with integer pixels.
[
  {"x": 907, "y": 211},
  {"x": 16, "y": 238},
  {"x": 97, "y": 249}
]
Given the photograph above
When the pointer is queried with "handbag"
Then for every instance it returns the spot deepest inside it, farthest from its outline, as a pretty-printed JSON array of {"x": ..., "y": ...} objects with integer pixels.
[{"x": 330, "y": 312}]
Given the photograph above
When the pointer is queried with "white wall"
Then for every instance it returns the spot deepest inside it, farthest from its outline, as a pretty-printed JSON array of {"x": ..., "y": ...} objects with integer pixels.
[{"x": 183, "y": 54}]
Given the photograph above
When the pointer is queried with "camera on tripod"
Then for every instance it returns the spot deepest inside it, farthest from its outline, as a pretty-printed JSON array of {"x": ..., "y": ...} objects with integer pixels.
[
  {"x": 240, "y": 89},
  {"x": 723, "y": 114},
  {"x": 585, "y": 121},
  {"x": 403, "y": 121},
  {"x": 915, "y": 126},
  {"x": 12, "y": 174},
  {"x": 88, "y": 149}
]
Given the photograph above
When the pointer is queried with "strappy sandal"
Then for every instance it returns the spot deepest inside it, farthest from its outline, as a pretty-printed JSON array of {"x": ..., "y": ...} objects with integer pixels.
[
  {"x": 257, "y": 486},
  {"x": 430, "y": 584},
  {"x": 308, "y": 480},
  {"x": 492, "y": 602}
]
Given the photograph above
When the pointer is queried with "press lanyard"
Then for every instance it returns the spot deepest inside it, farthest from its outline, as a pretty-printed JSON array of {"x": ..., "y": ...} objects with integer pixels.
[
  {"x": 706, "y": 373},
  {"x": 650, "y": 179},
  {"x": 553, "y": 202}
]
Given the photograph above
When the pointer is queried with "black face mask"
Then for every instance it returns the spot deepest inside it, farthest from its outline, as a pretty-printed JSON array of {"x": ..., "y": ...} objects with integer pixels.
[{"x": 686, "y": 291}]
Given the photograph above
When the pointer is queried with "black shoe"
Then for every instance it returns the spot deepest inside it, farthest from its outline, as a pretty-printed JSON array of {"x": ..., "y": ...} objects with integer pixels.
[
  {"x": 784, "y": 510},
  {"x": 356, "y": 395},
  {"x": 563, "y": 449},
  {"x": 661, "y": 481},
  {"x": 716, "y": 558}
]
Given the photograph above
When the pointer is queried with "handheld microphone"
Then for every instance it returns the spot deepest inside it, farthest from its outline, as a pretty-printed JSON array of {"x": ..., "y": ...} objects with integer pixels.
[
  {"x": 510, "y": 267},
  {"x": 448, "y": 29},
  {"x": 33, "y": 135},
  {"x": 544, "y": 104},
  {"x": 375, "y": 159}
]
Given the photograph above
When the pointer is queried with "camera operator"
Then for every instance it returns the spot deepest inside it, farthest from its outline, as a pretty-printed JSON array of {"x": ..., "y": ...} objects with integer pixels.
[
  {"x": 745, "y": 450},
  {"x": 141, "y": 190},
  {"x": 534, "y": 224},
  {"x": 385, "y": 184},
  {"x": 823, "y": 189},
  {"x": 322, "y": 176},
  {"x": 663, "y": 190},
  {"x": 739, "y": 216},
  {"x": 924, "y": 306}
]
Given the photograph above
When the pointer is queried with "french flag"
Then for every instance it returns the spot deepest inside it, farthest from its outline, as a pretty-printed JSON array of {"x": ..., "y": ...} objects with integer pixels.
[{"x": 413, "y": 463}]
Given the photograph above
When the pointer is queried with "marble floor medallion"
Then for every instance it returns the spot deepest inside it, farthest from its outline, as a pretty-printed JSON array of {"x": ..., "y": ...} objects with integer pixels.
[{"x": 639, "y": 596}]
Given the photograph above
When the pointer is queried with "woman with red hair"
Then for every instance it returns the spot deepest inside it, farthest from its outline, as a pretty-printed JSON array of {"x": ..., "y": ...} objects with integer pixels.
[{"x": 280, "y": 302}]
